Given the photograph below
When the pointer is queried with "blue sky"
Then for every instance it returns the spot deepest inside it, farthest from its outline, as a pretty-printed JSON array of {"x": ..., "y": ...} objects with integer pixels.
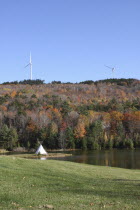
[{"x": 70, "y": 40}]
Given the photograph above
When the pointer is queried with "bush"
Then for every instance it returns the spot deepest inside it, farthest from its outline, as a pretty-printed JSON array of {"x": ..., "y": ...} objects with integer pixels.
[
  {"x": 95, "y": 146},
  {"x": 128, "y": 143}
]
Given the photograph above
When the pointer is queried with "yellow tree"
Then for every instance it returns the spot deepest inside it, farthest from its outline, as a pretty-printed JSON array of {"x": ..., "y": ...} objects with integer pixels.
[{"x": 79, "y": 130}]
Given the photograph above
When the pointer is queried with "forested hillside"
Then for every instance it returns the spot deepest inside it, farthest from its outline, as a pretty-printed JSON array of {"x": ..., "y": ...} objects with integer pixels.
[{"x": 91, "y": 115}]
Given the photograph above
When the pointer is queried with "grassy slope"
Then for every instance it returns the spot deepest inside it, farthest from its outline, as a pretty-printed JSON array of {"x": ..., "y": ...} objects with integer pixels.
[{"x": 30, "y": 184}]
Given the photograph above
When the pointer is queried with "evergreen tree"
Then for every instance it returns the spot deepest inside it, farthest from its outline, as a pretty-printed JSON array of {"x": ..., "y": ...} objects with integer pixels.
[{"x": 8, "y": 137}]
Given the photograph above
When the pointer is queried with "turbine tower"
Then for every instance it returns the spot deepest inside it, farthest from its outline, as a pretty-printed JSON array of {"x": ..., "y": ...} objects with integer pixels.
[
  {"x": 30, "y": 64},
  {"x": 112, "y": 68}
]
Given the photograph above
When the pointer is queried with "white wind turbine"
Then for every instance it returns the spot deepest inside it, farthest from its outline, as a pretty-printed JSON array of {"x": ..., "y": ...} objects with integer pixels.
[
  {"x": 30, "y": 64},
  {"x": 112, "y": 68}
]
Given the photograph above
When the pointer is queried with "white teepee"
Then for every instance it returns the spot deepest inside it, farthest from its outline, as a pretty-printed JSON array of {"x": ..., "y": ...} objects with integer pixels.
[{"x": 41, "y": 151}]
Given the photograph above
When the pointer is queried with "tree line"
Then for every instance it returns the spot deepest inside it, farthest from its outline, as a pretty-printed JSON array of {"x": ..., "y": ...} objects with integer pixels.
[{"x": 122, "y": 82}]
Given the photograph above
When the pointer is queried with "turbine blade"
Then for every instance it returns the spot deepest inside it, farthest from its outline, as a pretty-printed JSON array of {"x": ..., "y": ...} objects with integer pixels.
[
  {"x": 108, "y": 67},
  {"x": 27, "y": 65}
]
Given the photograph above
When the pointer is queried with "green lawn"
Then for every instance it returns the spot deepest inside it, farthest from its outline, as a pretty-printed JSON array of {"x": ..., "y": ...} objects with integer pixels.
[{"x": 34, "y": 184}]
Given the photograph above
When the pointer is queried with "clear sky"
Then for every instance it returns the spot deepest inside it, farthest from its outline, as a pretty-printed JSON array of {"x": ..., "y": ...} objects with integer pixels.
[{"x": 70, "y": 40}]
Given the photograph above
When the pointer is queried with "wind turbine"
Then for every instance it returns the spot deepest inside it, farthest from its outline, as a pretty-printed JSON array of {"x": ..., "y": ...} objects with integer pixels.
[
  {"x": 30, "y": 64},
  {"x": 112, "y": 68}
]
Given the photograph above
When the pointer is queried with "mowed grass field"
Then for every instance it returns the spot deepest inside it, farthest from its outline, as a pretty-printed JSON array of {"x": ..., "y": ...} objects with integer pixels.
[{"x": 38, "y": 184}]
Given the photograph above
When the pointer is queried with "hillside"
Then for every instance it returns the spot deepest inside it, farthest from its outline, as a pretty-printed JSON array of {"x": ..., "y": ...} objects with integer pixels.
[
  {"x": 36, "y": 184},
  {"x": 102, "y": 114}
]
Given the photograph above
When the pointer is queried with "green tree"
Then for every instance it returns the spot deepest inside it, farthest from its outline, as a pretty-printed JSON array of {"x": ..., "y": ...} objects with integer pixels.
[
  {"x": 70, "y": 141},
  {"x": 51, "y": 139},
  {"x": 8, "y": 137}
]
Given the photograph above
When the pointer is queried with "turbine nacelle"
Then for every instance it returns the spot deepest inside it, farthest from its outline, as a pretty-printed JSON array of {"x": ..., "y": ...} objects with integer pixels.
[{"x": 112, "y": 68}]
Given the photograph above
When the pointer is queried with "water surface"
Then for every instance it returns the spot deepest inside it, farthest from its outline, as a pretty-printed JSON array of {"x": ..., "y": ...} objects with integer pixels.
[{"x": 116, "y": 158}]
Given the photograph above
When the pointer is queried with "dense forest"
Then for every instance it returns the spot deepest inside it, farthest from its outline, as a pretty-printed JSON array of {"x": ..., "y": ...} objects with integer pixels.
[{"x": 87, "y": 115}]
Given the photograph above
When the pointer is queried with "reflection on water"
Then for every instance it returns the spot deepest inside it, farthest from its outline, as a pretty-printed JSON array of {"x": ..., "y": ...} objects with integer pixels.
[
  {"x": 115, "y": 158},
  {"x": 43, "y": 158}
]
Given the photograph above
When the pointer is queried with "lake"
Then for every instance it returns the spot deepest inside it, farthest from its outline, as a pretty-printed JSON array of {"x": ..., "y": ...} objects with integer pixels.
[{"x": 116, "y": 158}]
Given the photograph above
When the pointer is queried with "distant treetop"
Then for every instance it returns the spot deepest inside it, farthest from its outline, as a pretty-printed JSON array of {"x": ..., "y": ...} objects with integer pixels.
[
  {"x": 25, "y": 82},
  {"x": 121, "y": 81}
]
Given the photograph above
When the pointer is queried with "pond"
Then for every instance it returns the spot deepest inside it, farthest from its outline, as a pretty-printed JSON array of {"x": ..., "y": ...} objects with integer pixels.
[{"x": 116, "y": 158}]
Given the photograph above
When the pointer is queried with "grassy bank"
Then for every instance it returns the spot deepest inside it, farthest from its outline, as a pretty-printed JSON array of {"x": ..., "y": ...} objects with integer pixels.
[
  {"x": 36, "y": 184},
  {"x": 34, "y": 156}
]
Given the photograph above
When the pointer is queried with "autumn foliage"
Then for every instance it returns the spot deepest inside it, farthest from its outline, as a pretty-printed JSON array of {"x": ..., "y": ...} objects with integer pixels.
[{"x": 89, "y": 115}]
